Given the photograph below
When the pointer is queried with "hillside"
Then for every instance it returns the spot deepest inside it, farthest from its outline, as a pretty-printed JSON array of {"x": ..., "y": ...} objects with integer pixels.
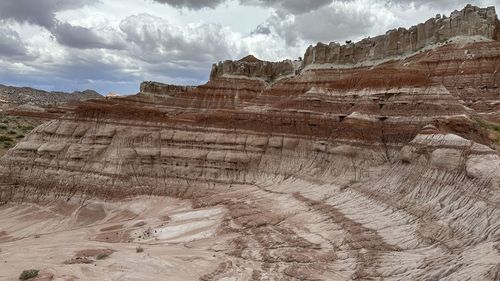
[{"x": 25, "y": 95}]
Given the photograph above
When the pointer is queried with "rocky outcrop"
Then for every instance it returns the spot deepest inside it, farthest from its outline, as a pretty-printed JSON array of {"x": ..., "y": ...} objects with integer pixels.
[
  {"x": 471, "y": 21},
  {"x": 251, "y": 67},
  {"x": 150, "y": 87}
]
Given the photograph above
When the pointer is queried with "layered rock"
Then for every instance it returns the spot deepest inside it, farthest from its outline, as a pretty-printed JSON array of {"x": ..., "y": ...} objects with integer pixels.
[
  {"x": 471, "y": 21},
  {"x": 342, "y": 173},
  {"x": 251, "y": 67},
  {"x": 150, "y": 87}
]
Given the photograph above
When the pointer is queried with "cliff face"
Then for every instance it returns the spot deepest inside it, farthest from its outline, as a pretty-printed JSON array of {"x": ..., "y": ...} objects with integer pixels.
[
  {"x": 150, "y": 87},
  {"x": 471, "y": 21},
  {"x": 379, "y": 172},
  {"x": 251, "y": 67}
]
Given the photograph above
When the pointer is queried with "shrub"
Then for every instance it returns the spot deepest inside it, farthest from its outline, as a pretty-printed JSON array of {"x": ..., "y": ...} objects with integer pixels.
[
  {"x": 139, "y": 249},
  {"x": 28, "y": 274},
  {"x": 102, "y": 256},
  {"x": 7, "y": 145},
  {"x": 5, "y": 139}
]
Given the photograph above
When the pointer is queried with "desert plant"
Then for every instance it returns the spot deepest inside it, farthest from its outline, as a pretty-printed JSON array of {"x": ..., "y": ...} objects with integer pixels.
[
  {"x": 28, "y": 274},
  {"x": 102, "y": 256},
  {"x": 5, "y": 139},
  {"x": 139, "y": 249}
]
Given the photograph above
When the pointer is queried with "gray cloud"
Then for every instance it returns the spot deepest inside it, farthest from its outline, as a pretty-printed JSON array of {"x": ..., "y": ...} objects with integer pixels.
[
  {"x": 456, "y": 4},
  {"x": 39, "y": 12},
  {"x": 192, "y": 4},
  {"x": 43, "y": 13},
  {"x": 293, "y": 6},
  {"x": 87, "y": 38},
  {"x": 11, "y": 44},
  {"x": 332, "y": 23}
]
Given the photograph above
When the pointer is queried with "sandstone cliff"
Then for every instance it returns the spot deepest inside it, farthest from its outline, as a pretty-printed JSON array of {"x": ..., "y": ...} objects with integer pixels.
[
  {"x": 164, "y": 89},
  {"x": 252, "y": 67},
  {"x": 471, "y": 21}
]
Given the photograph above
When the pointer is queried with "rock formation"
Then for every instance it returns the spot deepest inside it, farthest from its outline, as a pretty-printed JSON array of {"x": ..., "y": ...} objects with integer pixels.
[
  {"x": 251, "y": 67},
  {"x": 381, "y": 171},
  {"x": 471, "y": 21},
  {"x": 163, "y": 89}
]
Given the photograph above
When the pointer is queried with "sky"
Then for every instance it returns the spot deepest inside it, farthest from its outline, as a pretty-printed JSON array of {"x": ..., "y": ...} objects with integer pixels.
[{"x": 114, "y": 45}]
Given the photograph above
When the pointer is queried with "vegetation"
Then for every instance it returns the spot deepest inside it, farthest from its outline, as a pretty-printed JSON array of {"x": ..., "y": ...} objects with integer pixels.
[
  {"x": 139, "y": 249},
  {"x": 28, "y": 274},
  {"x": 102, "y": 256},
  {"x": 13, "y": 129},
  {"x": 493, "y": 131}
]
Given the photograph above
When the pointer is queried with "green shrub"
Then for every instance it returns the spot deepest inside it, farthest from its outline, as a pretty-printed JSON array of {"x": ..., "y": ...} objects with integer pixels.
[
  {"x": 5, "y": 139},
  {"x": 8, "y": 145},
  {"x": 28, "y": 274},
  {"x": 26, "y": 128},
  {"x": 3, "y": 127}
]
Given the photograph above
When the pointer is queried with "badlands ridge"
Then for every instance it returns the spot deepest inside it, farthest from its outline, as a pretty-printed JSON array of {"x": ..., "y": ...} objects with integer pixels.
[{"x": 374, "y": 160}]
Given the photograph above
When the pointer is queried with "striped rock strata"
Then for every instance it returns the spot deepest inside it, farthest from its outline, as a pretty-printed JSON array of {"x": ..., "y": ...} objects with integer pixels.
[{"x": 364, "y": 172}]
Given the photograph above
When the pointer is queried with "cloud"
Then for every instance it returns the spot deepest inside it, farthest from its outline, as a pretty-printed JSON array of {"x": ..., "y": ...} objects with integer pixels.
[
  {"x": 336, "y": 22},
  {"x": 153, "y": 38},
  {"x": 290, "y": 6},
  {"x": 87, "y": 38},
  {"x": 11, "y": 44},
  {"x": 293, "y": 6},
  {"x": 456, "y": 4},
  {"x": 39, "y": 12},
  {"x": 192, "y": 4},
  {"x": 43, "y": 13}
]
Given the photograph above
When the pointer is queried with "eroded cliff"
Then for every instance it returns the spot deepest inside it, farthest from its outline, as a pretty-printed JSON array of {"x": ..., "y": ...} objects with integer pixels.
[{"x": 469, "y": 22}]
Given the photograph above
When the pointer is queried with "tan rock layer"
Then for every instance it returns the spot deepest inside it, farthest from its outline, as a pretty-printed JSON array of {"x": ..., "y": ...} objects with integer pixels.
[{"x": 471, "y": 21}]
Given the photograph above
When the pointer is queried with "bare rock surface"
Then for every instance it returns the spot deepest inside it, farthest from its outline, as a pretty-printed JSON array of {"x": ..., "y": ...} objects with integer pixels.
[
  {"x": 471, "y": 21},
  {"x": 352, "y": 172}
]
